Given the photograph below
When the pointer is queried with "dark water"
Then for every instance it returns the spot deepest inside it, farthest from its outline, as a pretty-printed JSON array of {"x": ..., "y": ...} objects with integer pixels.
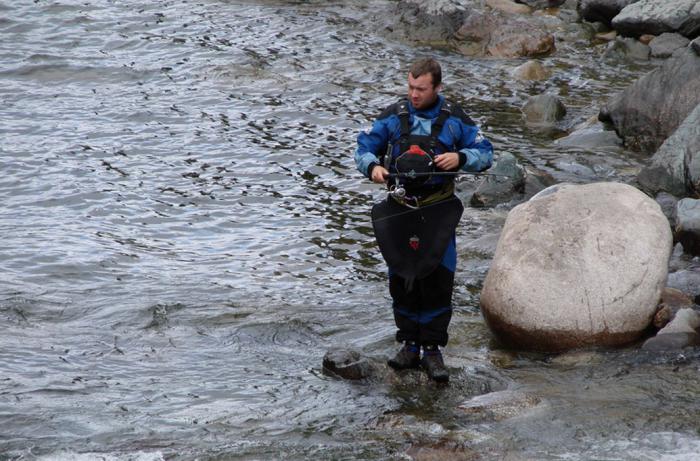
[{"x": 184, "y": 235}]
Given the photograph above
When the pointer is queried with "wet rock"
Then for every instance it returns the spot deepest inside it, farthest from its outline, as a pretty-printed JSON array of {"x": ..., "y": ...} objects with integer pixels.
[
  {"x": 443, "y": 450},
  {"x": 504, "y": 37},
  {"x": 531, "y": 70},
  {"x": 500, "y": 405},
  {"x": 679, "y": 333},
  {"x": 651, "y": 109},
  {"x": 687, "y": 281},
  {"x": 578, "y": 265},
  {"x": 499, "y": 189},
  {"x": 347, "y": 364},
  {"x": 601, "y": 10},
  {"x": 695, "y": 46},
  {"x": 608, "y": 36},
  {"x": 672, "y": 300},
  {"x": 675, "y": 167},
  {"x": 666, "y": 44},
  {"x": 539, "y": 4},
  {"x": 668, "y": 204},
  {"x": 536, "y": 181},
  {"x": 591, "y": 135},
  {"x": 544, "y": 109},
  {"x": 577, "y": 359},
  {"x": 509, "y": 7},
  {"x": 655, "y": 17},
  {"x": 627, "y": 48},
  {"x": 688, "y": 225},
  {"x": 429, "y": 21}
]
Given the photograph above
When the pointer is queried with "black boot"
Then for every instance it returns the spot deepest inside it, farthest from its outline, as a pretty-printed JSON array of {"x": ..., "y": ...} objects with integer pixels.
[
  {"x": 433, "y": 364},
  {"x": 407, "y": 357}
]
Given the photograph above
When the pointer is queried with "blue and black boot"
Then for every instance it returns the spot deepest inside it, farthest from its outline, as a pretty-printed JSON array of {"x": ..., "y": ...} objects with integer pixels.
[
  {"x": 434, "y": 365},
  {"x": 407, "y": 357}
]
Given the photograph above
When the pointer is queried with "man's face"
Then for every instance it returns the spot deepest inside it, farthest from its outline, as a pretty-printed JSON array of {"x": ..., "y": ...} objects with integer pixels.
[{"x": 421, "y": 91}]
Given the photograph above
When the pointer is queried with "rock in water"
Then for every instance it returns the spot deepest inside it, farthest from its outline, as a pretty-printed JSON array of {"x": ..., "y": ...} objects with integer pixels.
[
  {"x": 578, "y": 265},
  {"x": 347, "y": 363}
]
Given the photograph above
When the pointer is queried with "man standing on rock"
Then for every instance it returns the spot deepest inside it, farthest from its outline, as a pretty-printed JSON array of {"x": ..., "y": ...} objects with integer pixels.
[{"x": 414, "y": 147}]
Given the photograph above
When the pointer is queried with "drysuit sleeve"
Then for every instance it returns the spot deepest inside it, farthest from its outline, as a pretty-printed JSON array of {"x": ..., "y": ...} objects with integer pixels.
[
  {"x": 476, "y": 153},
  {"x": 370, "y": 144}
]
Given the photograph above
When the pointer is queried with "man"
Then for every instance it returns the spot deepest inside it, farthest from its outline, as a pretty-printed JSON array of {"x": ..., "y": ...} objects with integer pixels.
[{"x": 412, "y": 147}]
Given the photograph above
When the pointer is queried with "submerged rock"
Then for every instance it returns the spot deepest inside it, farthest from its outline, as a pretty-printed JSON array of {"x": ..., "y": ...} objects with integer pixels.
[
  {"x": 578, "y": 266},
  {"x": 651, "y": 109},
  {"x": 500, "y": 405}
]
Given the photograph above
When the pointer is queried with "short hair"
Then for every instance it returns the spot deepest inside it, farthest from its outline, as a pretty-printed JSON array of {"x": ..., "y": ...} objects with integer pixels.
[{"x": 427, "y": 66}]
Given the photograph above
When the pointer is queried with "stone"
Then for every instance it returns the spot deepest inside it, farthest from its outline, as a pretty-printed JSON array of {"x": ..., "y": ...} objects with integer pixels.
[
  {"x": 500, "y": 405},
  {"x": 347, "y": 364},
  {"x": 500, "y": 189},
  {"x": 544, "y": 109},
  {"x": 627, "y": 48},
  {"x": 672, "y": 300},
  {"x": 591, "y": 135},
  {"x": 675, "y": 167},
  {"x": 539, "y": 4},
  {"x": 666, "y": 44},
  {"x": 652, "y": 108},
  {"x": 531, "y": 70},
  {"x": 688, "y": 225},
  {"x": 433, "y": 21},
  {"x": 509, "y": 7},
  {"x": 687, "y": 281},
  {"x": 668, "y": 204},
  {"x": 656, "y": 17},
  {"x": 601, "y": 10},
  {"x": 606, "y": 36},
  {"x": 504, "y": 37},
  {"x": 578, "y": 265},
  {"x": 647, "y": 38},
  {"x": 679, "y": 333}
]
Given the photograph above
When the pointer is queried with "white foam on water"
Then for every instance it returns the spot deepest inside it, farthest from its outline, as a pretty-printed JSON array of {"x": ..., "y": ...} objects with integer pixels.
[
  {"x": 656, "y": 446},
  {"x": 70, "y": 456}
]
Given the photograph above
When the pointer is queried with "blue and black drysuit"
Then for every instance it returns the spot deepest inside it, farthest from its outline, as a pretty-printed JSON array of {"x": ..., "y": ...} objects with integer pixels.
[{"x": 423, "y": 307}]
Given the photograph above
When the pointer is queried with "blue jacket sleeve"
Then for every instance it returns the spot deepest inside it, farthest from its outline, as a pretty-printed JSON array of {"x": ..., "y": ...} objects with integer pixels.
[
  {"x": 370, "y": 145},
  {"x": 477, "y": 150}
]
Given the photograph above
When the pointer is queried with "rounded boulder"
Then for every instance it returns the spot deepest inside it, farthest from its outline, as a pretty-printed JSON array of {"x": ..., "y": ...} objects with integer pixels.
[{"x": 576, "y": 266}]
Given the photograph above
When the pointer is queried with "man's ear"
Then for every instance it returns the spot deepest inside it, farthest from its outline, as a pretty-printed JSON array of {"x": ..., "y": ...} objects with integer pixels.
[{"x": 438, "y": 88}]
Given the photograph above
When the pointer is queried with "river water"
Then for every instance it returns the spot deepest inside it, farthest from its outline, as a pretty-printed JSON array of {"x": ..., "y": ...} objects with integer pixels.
[{"x": 184, "y": 235}]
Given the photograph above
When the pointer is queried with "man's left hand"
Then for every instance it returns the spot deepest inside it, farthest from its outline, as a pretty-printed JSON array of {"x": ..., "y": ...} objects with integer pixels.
[{"x": 447, "y": 161}]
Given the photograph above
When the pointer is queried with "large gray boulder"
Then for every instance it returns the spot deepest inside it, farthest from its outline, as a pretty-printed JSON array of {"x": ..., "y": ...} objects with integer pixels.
[
  {"x": 651, "y": 109},
  {"x": 578, "y": 265},
  {"x": 675, "y": 167},
  {"x": 656, "y": 17},
  {"x": 601, "y": 10}
]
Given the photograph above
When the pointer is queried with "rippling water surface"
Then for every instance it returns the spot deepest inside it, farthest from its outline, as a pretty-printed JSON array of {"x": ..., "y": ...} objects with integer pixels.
[{"x": 184, "y": 235}]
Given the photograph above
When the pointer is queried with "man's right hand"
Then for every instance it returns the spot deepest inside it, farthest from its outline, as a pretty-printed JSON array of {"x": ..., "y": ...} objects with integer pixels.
[{"x": 379, "y": 174}]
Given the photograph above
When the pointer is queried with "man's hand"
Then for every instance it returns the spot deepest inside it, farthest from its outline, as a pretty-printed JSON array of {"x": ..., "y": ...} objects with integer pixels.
[
  {"x": 379, "y": 174},
  {"x": 448, "y": 161}
]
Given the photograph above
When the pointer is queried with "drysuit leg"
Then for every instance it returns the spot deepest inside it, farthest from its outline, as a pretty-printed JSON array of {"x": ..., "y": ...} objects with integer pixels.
[{"x": 423, "y": 309}]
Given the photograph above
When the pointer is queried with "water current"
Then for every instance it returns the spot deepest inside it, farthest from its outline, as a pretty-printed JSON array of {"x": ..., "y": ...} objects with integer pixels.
[{"x": 184, "y": 235}]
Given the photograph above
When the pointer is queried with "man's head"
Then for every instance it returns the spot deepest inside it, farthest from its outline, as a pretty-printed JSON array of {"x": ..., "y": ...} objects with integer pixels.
[{"x": 424, "y": 82}]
